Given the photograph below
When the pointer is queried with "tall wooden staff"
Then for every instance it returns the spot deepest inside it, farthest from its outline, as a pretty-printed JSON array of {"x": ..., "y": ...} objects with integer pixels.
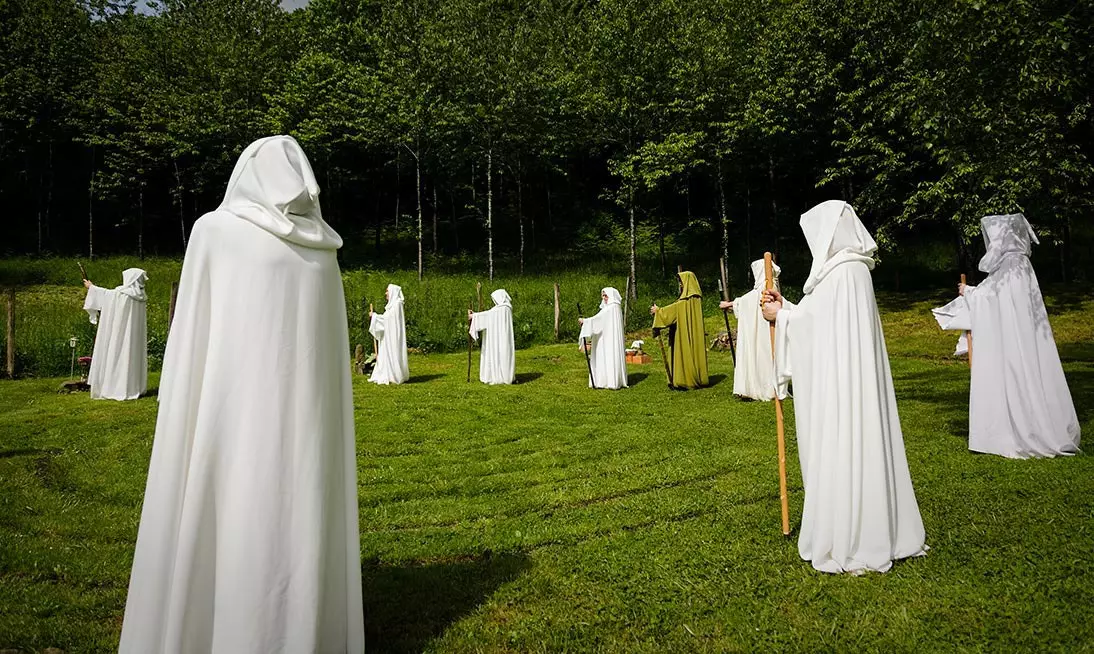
[
  {"x": 968, "y": 334},
  {"x": 592, "y": 382},
  {"x": 375, "y": 343},
  {"x": 769, "y": 284},
  {"x": 723, "y": 286},
  {"x": 469, "y": 343}
]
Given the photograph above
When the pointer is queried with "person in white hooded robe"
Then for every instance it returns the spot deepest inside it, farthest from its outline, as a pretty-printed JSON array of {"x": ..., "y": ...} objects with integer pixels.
[
  {"x": 607, "y": 350},
  {"x": 389, "y": 329},
  {"x": 754, "y": 369},
  {"x": 119, "y": 360},
  {"x": 860, "y": 509},
  {"x": 248, "y": 540},
  {"x": 1019, "y": 403},
  {"x": 497, "y": 359}
]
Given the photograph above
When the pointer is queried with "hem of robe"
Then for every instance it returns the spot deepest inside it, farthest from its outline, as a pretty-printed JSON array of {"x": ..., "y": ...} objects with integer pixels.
[
  {"x": 856, "y": 567},
  {"x": 1021, "y": 455},
  {"x": 119, "y": 399},
  {"x": 385, "y": 382}
]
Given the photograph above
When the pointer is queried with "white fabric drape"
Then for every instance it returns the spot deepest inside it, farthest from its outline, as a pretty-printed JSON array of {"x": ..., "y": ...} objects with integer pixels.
[
  {"x": 389, "y": 329},
  {"x": 860, "y": 509},
  {"x": 497, "y": 360},
  {"x": 248, "y": 539},
  {"x": 1019, "y": 403},
  {"x": 608, "y": 356},
  {"x": 754, "y": 370},
  {"x": 119, "y": 360}
]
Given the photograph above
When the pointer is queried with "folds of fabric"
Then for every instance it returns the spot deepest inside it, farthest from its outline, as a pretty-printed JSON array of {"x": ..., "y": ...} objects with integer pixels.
[
  {"x": 754, "y": 370},
  {"x": 497, "y": 360},
  {"x": 860, "y": 509},
  {"x": 608, "y": 357},
  {"x": 1020, "y": 405},
  {"x": 119, "y": 360},
  {"x": 684, "y": 320},
  {"x": 248, "y": 541},
  {"x": 389, "y": 329}
]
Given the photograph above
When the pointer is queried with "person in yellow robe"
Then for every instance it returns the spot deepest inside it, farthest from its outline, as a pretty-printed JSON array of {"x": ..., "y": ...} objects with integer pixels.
[{"x": 684, "y": 321}]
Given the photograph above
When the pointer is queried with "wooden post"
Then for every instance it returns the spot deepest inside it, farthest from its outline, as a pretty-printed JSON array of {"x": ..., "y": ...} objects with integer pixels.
[
  {"x": 171, "y": 306},
  {"x": 557, "y": 310},
  {"x": 11, "y": 333},
  {"x": 679, "y": 269},
  {"x": 769, "y": 284},
  {"x": 968, "y": 335}
]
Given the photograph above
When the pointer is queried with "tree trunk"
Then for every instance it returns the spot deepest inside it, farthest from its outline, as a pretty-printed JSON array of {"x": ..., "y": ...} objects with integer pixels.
[
  {"x": 418, "y": 192},
  {"x": 661, "y": 243},
  {"x": 436, "y": 220},
  {"x": 520, "y": 218},
  {"x": 140, "y": 222},
  {"x": 455, "y": 222},
  {"x": 774, "y": 204},
  {"x": 398, "y": 187},
  {"x": 378, "y": 219},
  {"x": 550, "y": 216},
  {"x": 748, "y": 222},
  {"x": 634, "y": 246},
  {"x": 90, "y": 215},
  {"x": 490, "y": 209},
  {"x": 178, "y": 193},
  {"x": 722, "y": 211}
]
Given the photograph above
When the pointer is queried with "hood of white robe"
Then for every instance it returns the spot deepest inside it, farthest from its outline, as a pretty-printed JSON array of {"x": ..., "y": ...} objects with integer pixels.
[
  {"x": 501, "y": 298},
  {"x": 613, "y": 297},
  {"x": 394, "y": 295},
  {"x": 835, "y": 236},
  {"x": 133, "y": 280},
  {"x": 1003, "y": 235},
  {"x": 273, "y": 186},
  {"x": 758, "y": 274}
]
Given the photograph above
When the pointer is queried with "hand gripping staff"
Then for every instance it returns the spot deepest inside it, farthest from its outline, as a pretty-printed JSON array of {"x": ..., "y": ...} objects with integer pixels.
[
  {"x": 584, "y": 349},
  {"x": 769, "y": 284},
  {"x": 723, "y": 286}
]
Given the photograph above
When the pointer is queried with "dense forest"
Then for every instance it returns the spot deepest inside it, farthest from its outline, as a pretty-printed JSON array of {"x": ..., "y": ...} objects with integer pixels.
[{"x": 501, "y": 132}]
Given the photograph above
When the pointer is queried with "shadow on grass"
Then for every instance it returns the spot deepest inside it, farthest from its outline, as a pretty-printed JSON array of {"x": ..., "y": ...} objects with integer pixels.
[
  {"x": 635, "y": 378},
  {"x": 7, "y": 454},
  {"x": 525, "y": 377},
  {"x": 716, "y": 379},
  {"x": 409, "y": 605},
  {"x": 421, "y": 379},
  {"x": 152, "y": 392}
]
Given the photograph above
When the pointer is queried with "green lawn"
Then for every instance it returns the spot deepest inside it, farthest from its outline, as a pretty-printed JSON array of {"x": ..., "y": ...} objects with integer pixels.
[{"x": 547, "y": 517}]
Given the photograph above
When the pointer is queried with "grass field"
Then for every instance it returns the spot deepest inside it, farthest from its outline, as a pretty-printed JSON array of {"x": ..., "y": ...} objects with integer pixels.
[{"x": 547, "y": 517}]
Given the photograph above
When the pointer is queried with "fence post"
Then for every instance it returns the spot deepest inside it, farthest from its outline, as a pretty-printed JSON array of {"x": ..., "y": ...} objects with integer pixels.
[
  {"x": 11, "y": 333},
  {"x": 171, "y": 306},
  {"x": 557, "y": 311}
]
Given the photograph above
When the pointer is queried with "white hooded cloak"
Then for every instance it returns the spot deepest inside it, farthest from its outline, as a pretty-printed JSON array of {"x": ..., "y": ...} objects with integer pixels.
[
  {"x": 608, "y": 356},
  {"x": 754, "y": 370},
  {"x": 248, "y": 539},
  {"x": 389, "y": 329},
  {"x": 860, "y": 510},
  {"x": 119, "y": 361},
  {"x": 1019, "y": 402},
  {"x": 497, "y": 360}
]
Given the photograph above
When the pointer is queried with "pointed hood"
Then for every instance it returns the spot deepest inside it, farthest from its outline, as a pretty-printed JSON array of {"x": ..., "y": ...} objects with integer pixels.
[
  {"x": 760, "y": 281},
  {"x": 133, "y": 280},
  {"x": 835, "y": 236},
  {"x": 613, "y": 297},
  {"x": 689, "y": 285},
  {"x": 1003, "y": 235},
  {"x": 273, "y": 186},
  {"x": 501, "y": 298},
  {"x": 394, "y": 295}
]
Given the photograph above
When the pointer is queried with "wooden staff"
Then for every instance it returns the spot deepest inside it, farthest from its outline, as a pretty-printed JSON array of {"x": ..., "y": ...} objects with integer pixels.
[
  {"x": 588, "y": 361},
  {"x": 375, "y": 343},
  {"x": 769, "y": 284},
  {"x": 83, "y": 273},
  {"x": 723, "y": 286},
  {"x": 469, "y": 344},
  {"x": 968, "y": 334}
]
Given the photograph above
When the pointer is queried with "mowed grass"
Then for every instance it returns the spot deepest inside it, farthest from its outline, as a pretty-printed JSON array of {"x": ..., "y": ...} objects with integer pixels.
[{"x": 548, "y": 517}]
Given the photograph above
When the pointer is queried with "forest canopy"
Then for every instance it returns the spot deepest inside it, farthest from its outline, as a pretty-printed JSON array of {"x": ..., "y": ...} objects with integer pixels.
[{"x": 493, "y": 130}]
